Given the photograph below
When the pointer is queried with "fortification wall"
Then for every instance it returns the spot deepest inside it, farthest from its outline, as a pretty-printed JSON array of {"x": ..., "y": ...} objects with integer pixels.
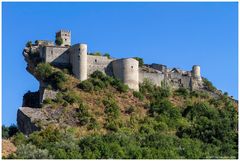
[
  {"x": 155, "y": 78},
  {"x": 127, "y": 71},
  {"x": 78, "y": 60},
  {"x": 101, "y": 63},
  {"x": 55, "y": 55}
]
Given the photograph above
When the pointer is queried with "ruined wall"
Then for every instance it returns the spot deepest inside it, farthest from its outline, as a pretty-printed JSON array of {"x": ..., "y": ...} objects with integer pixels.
[
  {"x": 78, "y": 60},
  {"x": 127, "y": 71},
  {"x": 101, "y": 63},
  {"x": 55, "y": 55},
  {"x": 46, "y": 93},
  {"x": 155, "y": 78}
]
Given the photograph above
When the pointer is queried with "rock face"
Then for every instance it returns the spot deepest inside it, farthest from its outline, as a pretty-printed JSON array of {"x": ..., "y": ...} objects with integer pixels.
[{"x": 26, "y": 119}]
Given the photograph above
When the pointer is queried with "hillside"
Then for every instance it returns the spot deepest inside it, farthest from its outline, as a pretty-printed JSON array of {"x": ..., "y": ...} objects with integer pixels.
[{"x": 102, "y": 118}]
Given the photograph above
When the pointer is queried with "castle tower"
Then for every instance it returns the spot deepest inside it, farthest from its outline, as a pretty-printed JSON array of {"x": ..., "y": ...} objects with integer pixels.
[
  {"x": 65, "y": 36},
  {"x": 196, "y": 73},
  {"x": 78, "y": 60},
  {"x": 127, "y": 71}
]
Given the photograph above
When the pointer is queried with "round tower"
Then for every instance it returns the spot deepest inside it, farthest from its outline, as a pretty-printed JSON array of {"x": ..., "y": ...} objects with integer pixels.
[
  {"x": 127, "y": 71},
  {"x": 78, "y": 60},
  {"x": 196, "y": 72},
  {"x": 82, "y": 57}
]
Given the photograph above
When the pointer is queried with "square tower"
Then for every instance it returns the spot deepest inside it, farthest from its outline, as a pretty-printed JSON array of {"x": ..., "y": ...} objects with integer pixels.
[{"x": 65, "y": 36}]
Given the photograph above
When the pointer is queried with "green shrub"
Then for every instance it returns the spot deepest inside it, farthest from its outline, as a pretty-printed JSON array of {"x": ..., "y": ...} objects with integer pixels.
[
  {"x": 140, "y": 60},
  {"x": 93, "y": 124},
  {"x": 98, "y": 84},
  {"x": 30, "y": 151},
  {"x": 119, "y": 85},
  {"x": 57, "y": 80},
  {"x": 146, "y": 87},
  {"x": 129, "y": 110},
  {"x": 96, "y": 54},
  {"x": 164, "y": 107},
  {"x": 86, "y": 86},
  {"x": 29, "y": 44},
  {"x": 47, "y": 101},
  {"x": 208, "y": 85},
  {"x": 138, "y": 95},
  {"x": 44, "y": 70},
  {"x": 71, "y": 97},
  {"x": 83, "y": 114},
  {"x": 182, "y": 92},
  {"x": 59, "y": 41},
  {"x": 10, "y": 131},
  {"x": 107, "y": 55},
  {"x": 111, "y": 125},
  {"x": 111, "y": 108},
  {"x": 98, "y": 74},
  {"x": 5, "y": 131},
  {"x": 19, "y": 139}
]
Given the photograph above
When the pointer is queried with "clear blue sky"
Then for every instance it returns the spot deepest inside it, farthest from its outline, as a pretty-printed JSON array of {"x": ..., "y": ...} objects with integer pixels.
[{"x": 175, "y": 34}]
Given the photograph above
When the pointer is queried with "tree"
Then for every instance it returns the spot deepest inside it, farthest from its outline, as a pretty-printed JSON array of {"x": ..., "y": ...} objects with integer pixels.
[
  {"x": 44, "y": 70},
  {"x": 107, "y": 55},
  {"x": 59, "y": 41},
  {"x": 140, "y": 60},
  {"x": 29, "y": 44}
]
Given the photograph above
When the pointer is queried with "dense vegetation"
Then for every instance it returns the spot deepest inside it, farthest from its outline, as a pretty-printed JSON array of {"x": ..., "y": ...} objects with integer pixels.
[
  {"x": 59, "y": 41},
  {"x": 174, "y": 124}
]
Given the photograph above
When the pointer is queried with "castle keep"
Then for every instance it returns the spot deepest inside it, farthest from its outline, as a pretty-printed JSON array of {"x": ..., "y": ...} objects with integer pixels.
[{"x": 126, "y": 69}]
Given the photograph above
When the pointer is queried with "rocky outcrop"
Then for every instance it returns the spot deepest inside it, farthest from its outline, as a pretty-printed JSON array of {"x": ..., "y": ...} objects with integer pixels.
[{"x": 27, "y": 119}]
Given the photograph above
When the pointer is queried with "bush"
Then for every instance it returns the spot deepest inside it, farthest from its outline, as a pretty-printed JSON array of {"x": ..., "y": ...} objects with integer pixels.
[
  {"x": 93, "y": 124},
  {"x": 96, "y": 54},
  {"x": 146, "y": 87},
  {"x": 86, "y": 86},
  {"x": 208, "y": 85},
  {"x": 182, "y": 92},
  {"x": 129, "y": 110},
  {"x": 98, "y": 84},
  {"x": 30, "y": 151},
  {"x": 44, "y": 70},
  {"x": 57, "y": 80},
  {"x": 140, "y": 60},
  {"x": 72, "y": 97},
  {"x": 59, "y": 41},
  {"x": 29, "y": 44},
  {"x": 111, "y": 108},
  {"x": 164, "y": 107},
  {"x": 138, "y": 95},
  {"x": 107, "y": 55},
  {"x": 83, "y": 115},
  {"x": 119, "y": 85},
  {"x": 19, "y": 139},
  {"x": 98, "y": 74},
  {"x": 47, "y": 101},
  {"x": 5, "y": 131}
]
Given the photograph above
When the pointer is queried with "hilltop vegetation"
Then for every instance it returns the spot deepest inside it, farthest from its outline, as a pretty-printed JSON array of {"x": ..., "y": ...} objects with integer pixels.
[{"x": 101, "y": 118}]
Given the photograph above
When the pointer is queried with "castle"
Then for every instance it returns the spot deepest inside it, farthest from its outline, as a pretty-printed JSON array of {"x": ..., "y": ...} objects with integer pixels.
[{"x": 126, "y": 69}]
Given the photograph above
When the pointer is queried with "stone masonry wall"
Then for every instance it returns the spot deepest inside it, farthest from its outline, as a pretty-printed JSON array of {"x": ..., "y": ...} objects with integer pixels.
[
  {"x": 155, "y": 78},
  {"x": 55, "y": 55},
  {"x": 101, "y": 63}
]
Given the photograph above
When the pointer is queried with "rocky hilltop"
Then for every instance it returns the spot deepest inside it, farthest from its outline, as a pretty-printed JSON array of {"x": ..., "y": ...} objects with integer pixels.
[{"x": 102, "y": 105}]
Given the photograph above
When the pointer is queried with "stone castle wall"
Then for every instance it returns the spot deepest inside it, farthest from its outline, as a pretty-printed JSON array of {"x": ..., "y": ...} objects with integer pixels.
[
  {"x": 55, "y": 55},
  {"x": 155, "y": 78},
  {"x": 101, "y": 63}
]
